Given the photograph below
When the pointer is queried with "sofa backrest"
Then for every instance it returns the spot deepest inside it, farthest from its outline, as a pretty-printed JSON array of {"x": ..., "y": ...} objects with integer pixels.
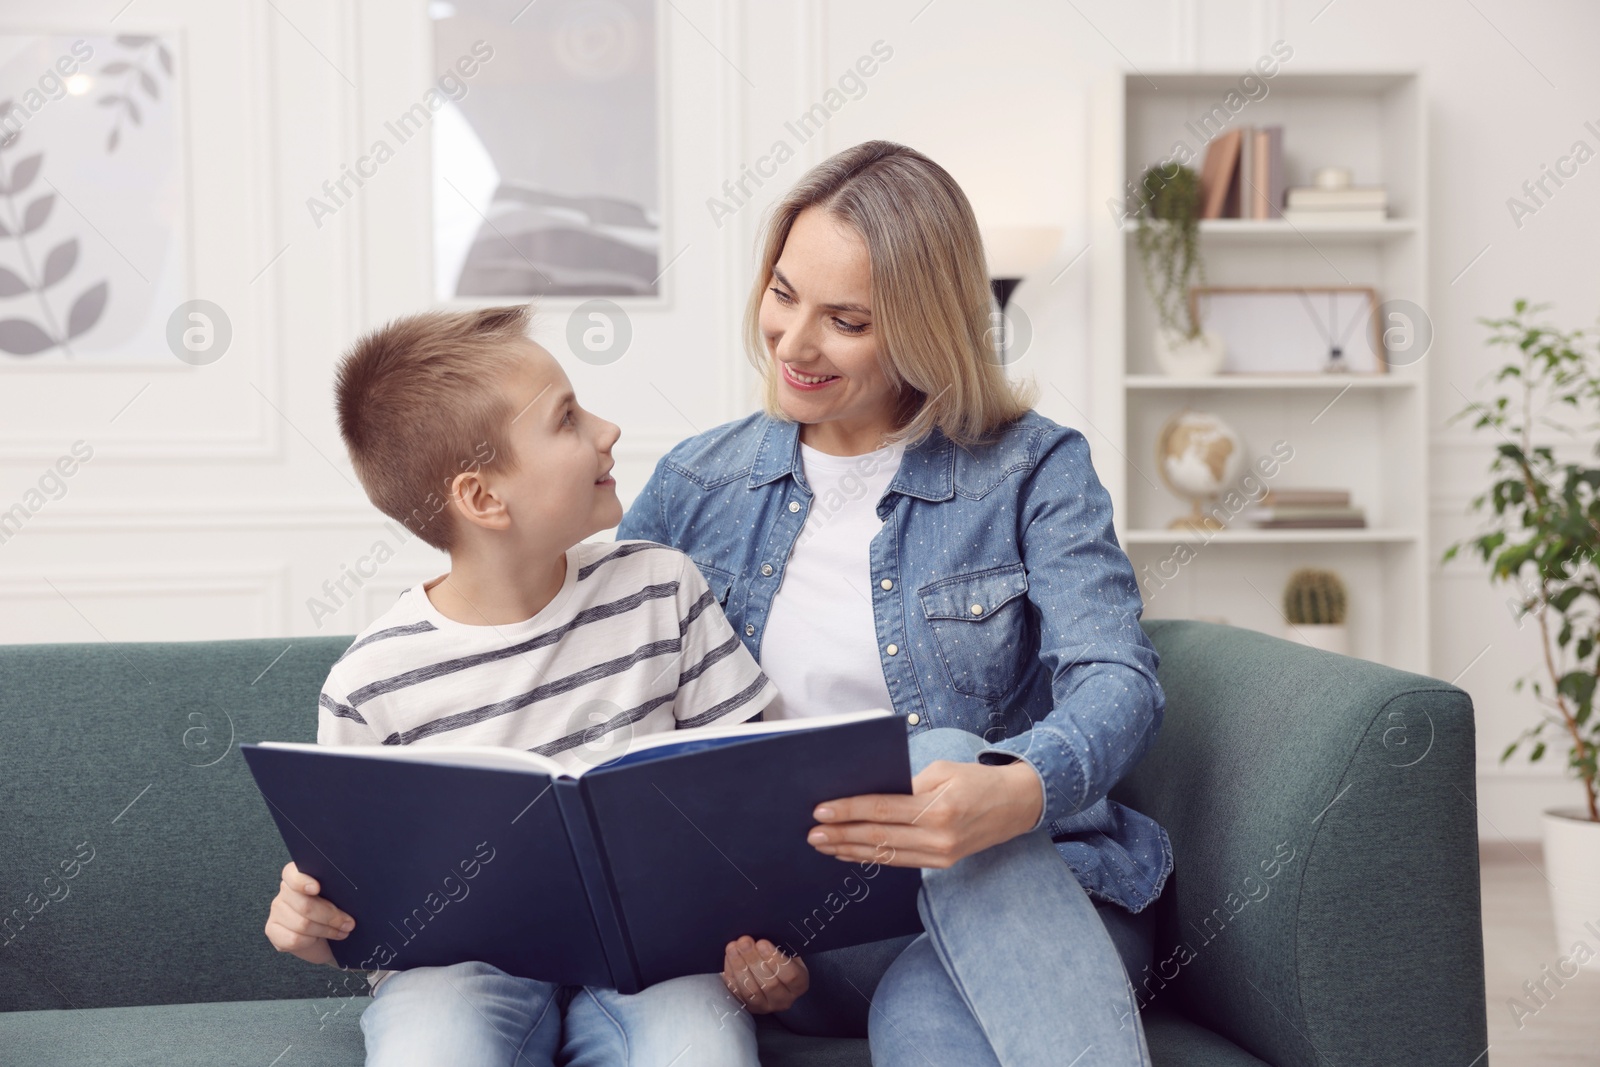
[
  {"x": 139, "y": 859},
  {"x": 1324, "y": 905}
]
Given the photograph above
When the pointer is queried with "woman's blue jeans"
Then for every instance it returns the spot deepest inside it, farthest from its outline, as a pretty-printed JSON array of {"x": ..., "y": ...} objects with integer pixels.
[{"x": 1016, "y": 965}]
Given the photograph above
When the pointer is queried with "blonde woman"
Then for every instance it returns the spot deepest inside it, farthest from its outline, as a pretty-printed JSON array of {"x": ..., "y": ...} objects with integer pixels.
[{"x": 899, "y": 529}]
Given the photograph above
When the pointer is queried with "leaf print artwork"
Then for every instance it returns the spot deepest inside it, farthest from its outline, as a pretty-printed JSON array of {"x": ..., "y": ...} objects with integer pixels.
[
  {"x": 95, "y": 212},
  {"x": 87, "y": 308},
  {"x": 60, "y": 261},
  {"x": 132, "y": 70},
  {"x": 26, "y": 336}
]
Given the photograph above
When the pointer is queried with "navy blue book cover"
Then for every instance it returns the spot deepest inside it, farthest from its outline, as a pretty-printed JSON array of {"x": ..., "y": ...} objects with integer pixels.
[{"x": 631, "y": 873}]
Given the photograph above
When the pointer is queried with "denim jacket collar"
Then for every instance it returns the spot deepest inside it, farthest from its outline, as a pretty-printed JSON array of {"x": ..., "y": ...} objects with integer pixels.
[{"x": 927, "y": 470}]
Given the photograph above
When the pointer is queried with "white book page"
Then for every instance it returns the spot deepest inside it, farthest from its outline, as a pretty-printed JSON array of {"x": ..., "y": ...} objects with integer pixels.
[
  {"x": 752, "y": 729},
  {"x": 516, "y": 759},
  {"x": 489, "y": 756}
]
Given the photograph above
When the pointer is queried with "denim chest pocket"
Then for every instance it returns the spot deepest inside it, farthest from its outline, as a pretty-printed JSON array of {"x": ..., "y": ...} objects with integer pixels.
[{"x": 980, "y": 625}]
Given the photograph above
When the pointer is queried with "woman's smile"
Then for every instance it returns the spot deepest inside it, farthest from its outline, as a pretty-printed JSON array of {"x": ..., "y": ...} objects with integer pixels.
[{"x": 807, "y": 382}]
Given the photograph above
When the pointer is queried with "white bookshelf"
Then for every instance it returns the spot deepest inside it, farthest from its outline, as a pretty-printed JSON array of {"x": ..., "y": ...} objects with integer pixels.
[
  {"x": 1219, "y": 230},
  {"x": 1243, "y": 382},
  {"x": 1364, "y": 433},
  {"x": 1369, "y": 535}
]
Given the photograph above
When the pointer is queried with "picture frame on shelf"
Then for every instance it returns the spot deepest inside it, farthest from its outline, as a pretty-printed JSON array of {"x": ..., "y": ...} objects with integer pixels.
[{"x": 1294, "y": 330}]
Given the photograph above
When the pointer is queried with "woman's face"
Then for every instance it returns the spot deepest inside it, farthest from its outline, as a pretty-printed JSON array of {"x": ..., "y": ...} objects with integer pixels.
[{"x": 816, "y": 317}]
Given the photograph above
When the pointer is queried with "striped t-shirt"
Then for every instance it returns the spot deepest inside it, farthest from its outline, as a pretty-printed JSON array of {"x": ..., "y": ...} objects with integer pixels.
[{"x": 634, "y": 643}]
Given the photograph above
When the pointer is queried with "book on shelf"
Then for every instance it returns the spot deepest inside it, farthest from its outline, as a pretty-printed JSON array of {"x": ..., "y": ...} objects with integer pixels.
[
  {"x": 1356, "y": 523},
  {"x": 1242, "y": 175},
  {"x": 1310, "y": 514},
  {"x": 1216, "y": 173},
  {"x": 621, "y": 874},
  {"x": 1351, "y": 198},
  {"x": 1277, "y": 182},
  {"x": 1240, "y": 197},
  {"x": 1266, "y": 173},
  {"x": 1352, "y": 206},
  {"x": 1289, "y": 496}
]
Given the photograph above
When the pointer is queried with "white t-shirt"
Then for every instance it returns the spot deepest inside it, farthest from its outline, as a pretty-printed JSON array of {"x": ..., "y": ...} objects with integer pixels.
[{"x": 821, "y": 646}]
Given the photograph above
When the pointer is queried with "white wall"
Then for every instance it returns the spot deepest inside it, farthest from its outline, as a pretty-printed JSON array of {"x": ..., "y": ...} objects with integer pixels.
[{"x": 219, "y": 500}]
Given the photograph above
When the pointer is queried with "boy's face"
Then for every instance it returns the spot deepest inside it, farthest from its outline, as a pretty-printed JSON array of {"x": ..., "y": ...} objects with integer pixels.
[{"x": 562, "y": 490}]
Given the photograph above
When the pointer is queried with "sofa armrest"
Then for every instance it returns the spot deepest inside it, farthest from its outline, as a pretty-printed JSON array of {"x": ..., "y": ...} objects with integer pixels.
[{"x": 1324, "y": 906}]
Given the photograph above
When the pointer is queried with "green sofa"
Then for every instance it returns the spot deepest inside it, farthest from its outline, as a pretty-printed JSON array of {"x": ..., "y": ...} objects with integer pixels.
[{"x": 1324, "y": 910}]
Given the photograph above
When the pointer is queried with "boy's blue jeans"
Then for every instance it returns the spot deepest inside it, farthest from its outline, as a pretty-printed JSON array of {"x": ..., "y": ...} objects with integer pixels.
[
  {"x": 474, "y": 1015},
  {"x": 1016, "y": 967}
]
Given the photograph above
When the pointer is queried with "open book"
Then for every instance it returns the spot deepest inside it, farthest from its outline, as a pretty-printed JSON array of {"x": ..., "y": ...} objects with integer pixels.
[{"x": 621, "y": 874}]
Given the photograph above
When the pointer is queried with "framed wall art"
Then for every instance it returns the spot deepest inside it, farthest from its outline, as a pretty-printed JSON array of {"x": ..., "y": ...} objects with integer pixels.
[
  {"x": 546, "y": 149},
  {"x": 93, "y": 207}
]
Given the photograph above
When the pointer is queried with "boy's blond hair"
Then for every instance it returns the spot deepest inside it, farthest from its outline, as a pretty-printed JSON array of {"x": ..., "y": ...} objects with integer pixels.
[
  {"x": 930, "y": 289},
  {"x": 421, "y": 399}
]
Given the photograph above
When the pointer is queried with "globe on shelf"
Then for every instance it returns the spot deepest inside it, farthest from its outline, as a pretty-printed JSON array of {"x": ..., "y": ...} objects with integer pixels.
[{"x": 1198, "y": 456}]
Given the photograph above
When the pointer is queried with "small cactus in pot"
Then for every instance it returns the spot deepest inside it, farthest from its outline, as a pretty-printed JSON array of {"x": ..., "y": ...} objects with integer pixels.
[
  {"x": 1314, "y": 597},
  {"x": 1314, "y": 602}
]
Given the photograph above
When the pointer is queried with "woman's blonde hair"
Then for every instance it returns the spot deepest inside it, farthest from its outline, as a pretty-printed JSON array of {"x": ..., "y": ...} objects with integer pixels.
[{"x": 930, "y": 290}]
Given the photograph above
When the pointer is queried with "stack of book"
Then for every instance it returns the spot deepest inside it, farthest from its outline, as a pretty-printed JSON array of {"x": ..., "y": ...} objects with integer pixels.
[
  {"x": 1353, "y": 205},
  {"x": 1242, "y": 176},
  {"x": 1304, "y": 509}
]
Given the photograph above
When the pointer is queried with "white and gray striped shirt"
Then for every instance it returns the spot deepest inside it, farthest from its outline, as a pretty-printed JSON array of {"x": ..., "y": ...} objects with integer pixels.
[{"x": 633, "y": 643}]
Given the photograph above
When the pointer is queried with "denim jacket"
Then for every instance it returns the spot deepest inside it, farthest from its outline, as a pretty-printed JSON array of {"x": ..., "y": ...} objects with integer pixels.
[{"x": 1003, "y": 605}]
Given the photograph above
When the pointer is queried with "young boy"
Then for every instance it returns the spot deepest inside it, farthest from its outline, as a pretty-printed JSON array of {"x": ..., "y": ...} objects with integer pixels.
[{"x": 467, "y": 432}]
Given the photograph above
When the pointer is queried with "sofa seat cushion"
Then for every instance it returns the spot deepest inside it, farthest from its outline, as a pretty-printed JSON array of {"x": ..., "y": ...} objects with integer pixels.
[
  {"x": 326, "y": 1032},
  {"x": 321, "y": 1032},
  {"x": 1176, "y": 1042},
  {"x": 781, "y": 1048},
  {"x": 280, "y": 1033}
]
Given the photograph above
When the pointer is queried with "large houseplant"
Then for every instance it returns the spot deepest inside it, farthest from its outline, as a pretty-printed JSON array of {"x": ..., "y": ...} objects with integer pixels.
[
  {"x": 1544, "y": 537},
  {"x": 1168, "y": 242}
]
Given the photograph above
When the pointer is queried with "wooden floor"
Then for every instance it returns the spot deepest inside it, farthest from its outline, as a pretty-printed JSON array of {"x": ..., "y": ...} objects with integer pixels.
[{"x": 1519, "y": 941}]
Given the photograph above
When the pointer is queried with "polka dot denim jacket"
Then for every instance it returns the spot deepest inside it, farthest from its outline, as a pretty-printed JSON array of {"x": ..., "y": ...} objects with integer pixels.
[{"x": 1003, "y": 604}]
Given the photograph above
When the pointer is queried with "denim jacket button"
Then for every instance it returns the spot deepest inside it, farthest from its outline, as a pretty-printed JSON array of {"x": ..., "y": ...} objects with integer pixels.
[
  {"x": 892, "y": 649},
  {"x": 913, "y": 718},
  {"x": 749, "y": 629},
  {"x": 886, "y": 584},
  {"x": 977, "y": 609},
  {"x": 794, "y": 505},
  {"x": 766, "y": 570}
]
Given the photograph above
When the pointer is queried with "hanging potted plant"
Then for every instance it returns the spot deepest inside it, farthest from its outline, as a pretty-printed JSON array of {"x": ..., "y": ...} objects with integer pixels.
[
  {"x": 1544, "y": 536},
  {"x": 1314, "y": 604},
  {"x": 1168, "y": 241}
]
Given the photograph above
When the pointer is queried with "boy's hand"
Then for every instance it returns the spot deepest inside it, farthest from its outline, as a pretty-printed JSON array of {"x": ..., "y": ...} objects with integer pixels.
[
  {"x": 762, "y": 977},
  {"x": 300, "y": 922}
]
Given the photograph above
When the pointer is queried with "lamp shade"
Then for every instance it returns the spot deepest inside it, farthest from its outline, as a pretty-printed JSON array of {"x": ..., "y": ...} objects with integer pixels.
[{"x": 1017, "y": 251}]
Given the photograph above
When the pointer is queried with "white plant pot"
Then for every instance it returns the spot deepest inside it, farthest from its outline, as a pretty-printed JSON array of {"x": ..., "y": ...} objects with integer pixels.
[
  {"x": 1325, "y": 636},
  {"x": 1189, "y": 357},
  {"x": 1572, "y": 865}
]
